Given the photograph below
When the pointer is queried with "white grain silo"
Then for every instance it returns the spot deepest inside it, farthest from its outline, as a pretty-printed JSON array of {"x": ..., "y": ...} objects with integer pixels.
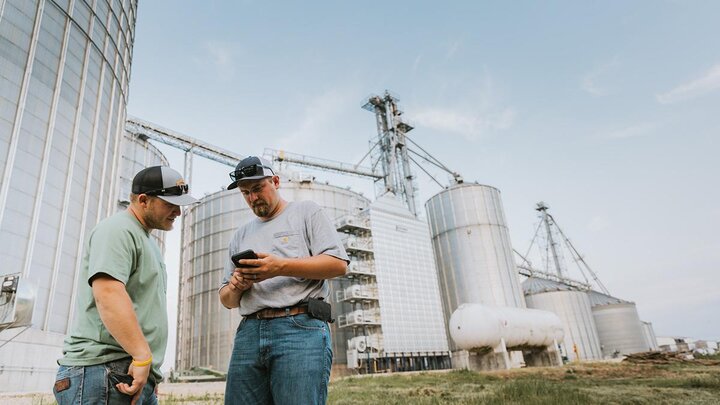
[
  {"x": 63, "y": 94},
  {"x": 649, "y": 334},
  {"x": 618, "y": 325},
  {"x": 474, "y": 259},
  {"x": 473, "y": 253},
  {"x": 572, "y": 305}
]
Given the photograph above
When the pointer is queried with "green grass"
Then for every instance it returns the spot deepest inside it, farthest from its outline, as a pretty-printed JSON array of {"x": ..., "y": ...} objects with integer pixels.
[
  {"x": 594, "y": 383},
  {"x": 695, "y": 382}
]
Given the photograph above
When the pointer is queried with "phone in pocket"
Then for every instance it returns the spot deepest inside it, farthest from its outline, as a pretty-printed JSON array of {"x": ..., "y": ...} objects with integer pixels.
[
  {"x": 245, "y": 254},
  {"x": 116, "y": 378}
]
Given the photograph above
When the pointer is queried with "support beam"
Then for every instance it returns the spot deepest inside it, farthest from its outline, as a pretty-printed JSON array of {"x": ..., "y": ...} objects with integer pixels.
[{"x": 146, "y": 129}]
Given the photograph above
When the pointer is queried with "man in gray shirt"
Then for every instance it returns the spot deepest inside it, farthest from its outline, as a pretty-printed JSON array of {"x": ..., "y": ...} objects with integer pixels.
[{"x": 282, "y": 352}]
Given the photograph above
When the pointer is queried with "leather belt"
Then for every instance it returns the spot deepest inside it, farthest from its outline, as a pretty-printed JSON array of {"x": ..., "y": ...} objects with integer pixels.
[{"x": 270, "y": 313}]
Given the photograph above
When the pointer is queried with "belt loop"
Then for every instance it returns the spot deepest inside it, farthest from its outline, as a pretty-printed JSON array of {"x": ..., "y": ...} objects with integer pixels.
[{"x": 287, "y": 311}]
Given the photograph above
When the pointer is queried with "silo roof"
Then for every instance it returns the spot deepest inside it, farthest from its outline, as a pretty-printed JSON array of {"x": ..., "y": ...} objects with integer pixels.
[
  {"x": 535, "y": 285},
  {"x": 598, "y": 298}
]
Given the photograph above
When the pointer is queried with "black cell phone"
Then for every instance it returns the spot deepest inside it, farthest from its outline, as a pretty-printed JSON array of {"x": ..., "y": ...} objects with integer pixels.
[
  {"x": 245, "y": 254},
  {"x": 120, "y": 378}
]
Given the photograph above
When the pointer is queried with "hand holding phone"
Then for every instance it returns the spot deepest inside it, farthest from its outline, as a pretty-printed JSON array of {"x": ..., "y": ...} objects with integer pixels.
[{"x": 245, "y": 254}]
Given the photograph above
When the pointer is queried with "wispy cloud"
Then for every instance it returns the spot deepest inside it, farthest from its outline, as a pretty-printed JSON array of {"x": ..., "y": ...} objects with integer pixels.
[
  {"x": 416, "y": 63},
  {"x": 470, "y": 125},
  {"x": 466, "y": 107},
  {"x": 592, "y": 81},
  {"x": 319, "y": 118},
  {"x": 218, "y": 57},
  {"x": 707, "y": 83},
  {"x": 452, "y": 49},
  {"x": 632, "y": 131}
]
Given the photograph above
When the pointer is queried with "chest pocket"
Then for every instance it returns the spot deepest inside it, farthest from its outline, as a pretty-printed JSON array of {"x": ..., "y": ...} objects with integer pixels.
[{"x": 288, "y": 244}]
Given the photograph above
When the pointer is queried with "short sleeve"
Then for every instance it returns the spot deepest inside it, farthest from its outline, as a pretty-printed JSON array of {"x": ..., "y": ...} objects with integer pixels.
[
  {"x": 324, "y": 238},
  {"x": 111, "y": 251},
  {"x": 229, "y": 266}
]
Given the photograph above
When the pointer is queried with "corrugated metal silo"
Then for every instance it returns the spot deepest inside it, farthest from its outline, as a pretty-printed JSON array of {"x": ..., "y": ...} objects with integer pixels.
[
  {"x": 618, "y": 325},
  {"x": 573, "y": 307},
  {"x": 205, "y": 328},
  {"x": 137, "y": 154},
  {"x": 472, "y": 248},
  {"x": 649, "y": 333},
  {"x": 63, "y": 95}
]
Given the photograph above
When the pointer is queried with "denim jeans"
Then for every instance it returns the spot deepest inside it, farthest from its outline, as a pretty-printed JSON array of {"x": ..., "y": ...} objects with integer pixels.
[
  {"x": 91, "y": 385},
  {"x": 280, "y": 361}
]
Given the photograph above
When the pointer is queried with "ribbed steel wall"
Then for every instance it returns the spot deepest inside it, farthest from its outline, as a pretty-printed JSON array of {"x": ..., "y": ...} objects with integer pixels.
[
  {"x": 205, "y": 328},
  {"x": 137, "y": 154},
  {"x": 619, "y": 327},
  {"x": 649, "y": 333},
  {"x": 574, "y": 309},
  {"x": 64, "y": 72},
  {"x": 472, "y": 248}
]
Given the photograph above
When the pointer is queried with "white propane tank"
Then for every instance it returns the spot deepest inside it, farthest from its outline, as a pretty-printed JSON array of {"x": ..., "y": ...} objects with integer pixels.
[{"x": 474, "y": 326}]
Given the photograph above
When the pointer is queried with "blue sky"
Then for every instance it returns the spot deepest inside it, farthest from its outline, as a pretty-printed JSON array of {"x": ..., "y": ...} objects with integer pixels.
[{"x": 605, "y": 110}]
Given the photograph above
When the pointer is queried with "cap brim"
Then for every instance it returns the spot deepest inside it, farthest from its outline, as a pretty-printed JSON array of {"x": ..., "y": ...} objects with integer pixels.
[
  {"x": 234, "y": 184},
  {"x": 185, "y": 199}
]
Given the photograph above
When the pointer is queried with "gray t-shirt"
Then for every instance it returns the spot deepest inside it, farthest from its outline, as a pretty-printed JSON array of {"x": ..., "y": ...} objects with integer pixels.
[{"x": 301, "y": 230}]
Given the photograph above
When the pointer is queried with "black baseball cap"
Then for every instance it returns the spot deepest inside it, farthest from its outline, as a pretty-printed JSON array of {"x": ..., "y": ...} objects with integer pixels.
[
  {"x": 163, "y": 182},
  {"x": 250, "y": 168}
]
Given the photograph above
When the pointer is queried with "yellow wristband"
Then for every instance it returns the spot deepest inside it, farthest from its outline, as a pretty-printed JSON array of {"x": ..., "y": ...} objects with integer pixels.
[{"x": 137, "y": 363}]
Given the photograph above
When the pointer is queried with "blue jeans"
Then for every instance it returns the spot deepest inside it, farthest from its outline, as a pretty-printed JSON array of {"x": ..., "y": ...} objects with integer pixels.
[
  {"x": 280, "y": 361},
  {"x": 91, "y": 385}
]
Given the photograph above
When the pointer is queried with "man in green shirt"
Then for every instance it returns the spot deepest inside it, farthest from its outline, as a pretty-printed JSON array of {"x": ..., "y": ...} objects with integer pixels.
[{"x": 117, "y": 343}]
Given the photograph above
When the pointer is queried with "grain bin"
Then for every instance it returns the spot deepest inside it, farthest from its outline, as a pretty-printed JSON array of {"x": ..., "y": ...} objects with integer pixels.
[
  {"x": 472, "y": 248},
  {"x": 618, "y": 325},
  {"x": 63, "y": 96},
  {"x": 572, "y": 305}
]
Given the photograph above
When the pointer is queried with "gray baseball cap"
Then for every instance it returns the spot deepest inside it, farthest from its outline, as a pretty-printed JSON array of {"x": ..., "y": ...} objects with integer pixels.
[
  {"x": 250, "y": 168},
  {"x": 163, "y": 182}
]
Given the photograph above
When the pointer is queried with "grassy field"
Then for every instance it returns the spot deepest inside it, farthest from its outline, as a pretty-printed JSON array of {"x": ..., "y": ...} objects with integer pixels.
[
  {"x": 589, "y": 383},
  {"x": 695, "y": 382}
]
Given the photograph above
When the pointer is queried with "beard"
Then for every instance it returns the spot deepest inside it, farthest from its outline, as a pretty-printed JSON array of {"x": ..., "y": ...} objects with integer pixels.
[
  {"x": 162, "y": 224},
  {"x": 261, "y": 209}
]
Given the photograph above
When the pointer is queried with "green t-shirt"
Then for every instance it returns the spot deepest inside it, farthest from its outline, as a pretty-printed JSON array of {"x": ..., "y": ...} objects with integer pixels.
[{"x": 120, "y": 247}]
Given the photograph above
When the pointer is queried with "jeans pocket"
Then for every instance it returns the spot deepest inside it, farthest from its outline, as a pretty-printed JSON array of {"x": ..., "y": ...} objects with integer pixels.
[
  {"x": 117, "y": 373},
  {"x": 117, "y": 378},
  {"x": 68, "y": 372},
  {"x": 119, "y": 366},
  {"x": 307, "y": 322},
  {"x": 242, "y": 322},
  {"x": 68, "y": 384}
]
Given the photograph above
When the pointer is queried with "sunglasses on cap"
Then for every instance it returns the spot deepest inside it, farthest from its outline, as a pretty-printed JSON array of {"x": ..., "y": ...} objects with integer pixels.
[
  {"x": 174, "y": 190},
  {"x": 249, "y": 171}
]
